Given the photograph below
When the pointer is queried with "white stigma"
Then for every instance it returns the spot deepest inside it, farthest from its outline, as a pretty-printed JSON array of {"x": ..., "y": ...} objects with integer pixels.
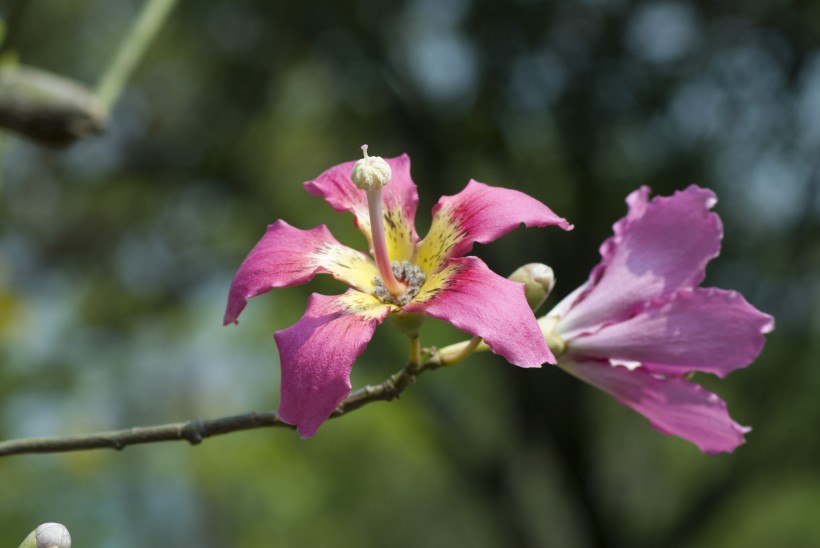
[{"x": 371, "y": 172}]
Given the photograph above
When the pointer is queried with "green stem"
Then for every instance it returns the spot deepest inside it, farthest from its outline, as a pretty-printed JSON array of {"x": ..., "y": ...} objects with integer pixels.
[
  {"x": 450, "y": 355},
  {"x": 13, "y": 23},
  {"x": 131, "y": 50},
  {"x": 4, "y": 144},
  {"x": 414, "y": 361}
]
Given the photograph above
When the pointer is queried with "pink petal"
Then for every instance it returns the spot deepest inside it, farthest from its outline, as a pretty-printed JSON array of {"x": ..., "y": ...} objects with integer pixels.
[
  {"x": 479, "y": 213},
  {"x": 399, "y": 195},
  {"x": 672, "y": 405},
  {"x": 287, "y": 256},
  {"x": 659, "y": 247},
  {"x": 708, "y": 330},
  {"x": 317, "y": 354},
  {"x": 477, "y": 301}
]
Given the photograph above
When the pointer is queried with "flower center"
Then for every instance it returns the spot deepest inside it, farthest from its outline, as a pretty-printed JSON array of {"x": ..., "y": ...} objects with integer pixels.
[{"x": 409, "y": 274}]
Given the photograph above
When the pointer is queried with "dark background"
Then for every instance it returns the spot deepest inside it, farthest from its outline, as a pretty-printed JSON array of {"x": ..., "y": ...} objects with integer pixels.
[{"x": 116, "y": 255}]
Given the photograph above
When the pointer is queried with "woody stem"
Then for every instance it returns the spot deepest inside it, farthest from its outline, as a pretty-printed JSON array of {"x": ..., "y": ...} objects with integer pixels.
[{"x": 374, "y": 206}]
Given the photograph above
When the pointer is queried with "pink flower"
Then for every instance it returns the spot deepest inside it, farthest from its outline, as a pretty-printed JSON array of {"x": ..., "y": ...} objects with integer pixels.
[
  {"x": 641, "y": 324},
  {"x": 429, "y": 277}
]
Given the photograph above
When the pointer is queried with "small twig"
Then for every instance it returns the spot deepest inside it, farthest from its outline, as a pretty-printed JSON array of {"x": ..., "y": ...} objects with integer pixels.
[
  {"x": 4, "y": 147},
  {"x": 13, "y": 22},
  {"x": 147, "y": 25},
  {"x": 196, "y": 430}
]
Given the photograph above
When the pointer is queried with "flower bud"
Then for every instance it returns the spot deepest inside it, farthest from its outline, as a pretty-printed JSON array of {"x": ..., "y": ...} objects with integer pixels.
[
  {"x": 48, "y": 108},
  {"x": 371, "y": 172},
  {"x": 48, "y": 535},
  {"x": 538, "y": 280}
]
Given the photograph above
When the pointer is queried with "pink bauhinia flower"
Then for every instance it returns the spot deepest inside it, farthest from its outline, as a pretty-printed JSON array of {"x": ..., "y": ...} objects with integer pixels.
[
  {"x": 641, "y": 324},
  {"x": 429, "y": 277}
]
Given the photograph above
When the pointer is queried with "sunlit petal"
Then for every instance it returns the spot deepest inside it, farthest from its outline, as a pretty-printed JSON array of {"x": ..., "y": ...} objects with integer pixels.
[
  {"x": 317, "y": 353},
  {"x": 478, "y": 301},
  {"x": 661, "y": 246},
  {"x": 709, "y": 330},
  {"x": 479, "y": 213},
  {"x": 287, "y": 256}
]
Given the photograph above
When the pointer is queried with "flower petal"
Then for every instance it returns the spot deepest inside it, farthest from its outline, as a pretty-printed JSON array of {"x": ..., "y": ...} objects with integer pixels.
[
  {"x": 479, "y": 213},
  {"x": 478, "y": 301},
  {"x": 400, "y": 201},
  {"x": 659, "y": 247},
  {"x": 317, "y": 354},
  {"x": 673, "y": 406},
  {"x": 287, "y": 256},
  {"x": 709, "y": 330}
]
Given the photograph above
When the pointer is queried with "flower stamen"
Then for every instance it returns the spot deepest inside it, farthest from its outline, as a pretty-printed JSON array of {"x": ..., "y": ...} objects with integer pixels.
[
  {"x": 411, "y": 276},
  {"x": 370, "y": 174}
]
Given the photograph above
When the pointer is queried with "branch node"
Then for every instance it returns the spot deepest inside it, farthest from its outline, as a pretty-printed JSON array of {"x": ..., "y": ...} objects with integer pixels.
[{"x": 193, "y": 431}]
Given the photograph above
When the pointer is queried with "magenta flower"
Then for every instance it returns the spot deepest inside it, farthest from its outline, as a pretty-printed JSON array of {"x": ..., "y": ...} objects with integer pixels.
[
  {"x": 429, "y": 277},
  {"x": 641, "y": 324}
]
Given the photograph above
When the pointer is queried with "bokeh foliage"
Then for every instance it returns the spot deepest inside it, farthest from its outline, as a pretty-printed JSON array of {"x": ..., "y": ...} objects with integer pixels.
[{"x": 116, "y": 255}]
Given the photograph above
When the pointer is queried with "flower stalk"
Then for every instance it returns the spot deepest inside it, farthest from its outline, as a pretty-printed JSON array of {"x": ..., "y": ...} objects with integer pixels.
[{"x": 414, "y": 360}]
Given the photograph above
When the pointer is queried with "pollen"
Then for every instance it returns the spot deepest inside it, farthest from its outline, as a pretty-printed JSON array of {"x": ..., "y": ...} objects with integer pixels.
[{"x": 409, "y": 275}]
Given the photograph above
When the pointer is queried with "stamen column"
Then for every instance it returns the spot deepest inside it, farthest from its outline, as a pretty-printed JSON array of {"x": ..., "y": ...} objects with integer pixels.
[{"x": 370, "y": 174}]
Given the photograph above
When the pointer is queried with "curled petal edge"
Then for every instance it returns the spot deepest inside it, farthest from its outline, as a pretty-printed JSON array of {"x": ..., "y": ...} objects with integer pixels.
[
  {"x": 672, "y": 405},
  {"x": 703, "y": 329},
  {"x": 661, "y": 246}
]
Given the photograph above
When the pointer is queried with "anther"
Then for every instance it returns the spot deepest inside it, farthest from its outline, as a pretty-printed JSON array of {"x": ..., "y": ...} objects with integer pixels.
[
  {"x": 371, "y": 172},
  {"x": 410, "y": 275}
]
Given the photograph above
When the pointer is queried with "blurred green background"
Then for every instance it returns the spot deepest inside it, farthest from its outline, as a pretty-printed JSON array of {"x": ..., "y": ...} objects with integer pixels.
[{"x": 116, "y": 255}]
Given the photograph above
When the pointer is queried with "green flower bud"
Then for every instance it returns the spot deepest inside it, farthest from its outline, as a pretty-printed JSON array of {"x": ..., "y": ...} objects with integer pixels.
[{"x": 538, "y": 280}]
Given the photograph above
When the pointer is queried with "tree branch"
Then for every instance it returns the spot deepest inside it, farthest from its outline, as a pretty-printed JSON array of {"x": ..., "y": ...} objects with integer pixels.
[{"x": 196, "y": 430}]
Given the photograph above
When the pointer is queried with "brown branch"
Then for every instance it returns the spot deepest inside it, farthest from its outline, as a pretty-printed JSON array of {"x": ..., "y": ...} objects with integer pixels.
[
  {"x": 47, "y": 107},
  {"x": 196, "y": 430}
]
